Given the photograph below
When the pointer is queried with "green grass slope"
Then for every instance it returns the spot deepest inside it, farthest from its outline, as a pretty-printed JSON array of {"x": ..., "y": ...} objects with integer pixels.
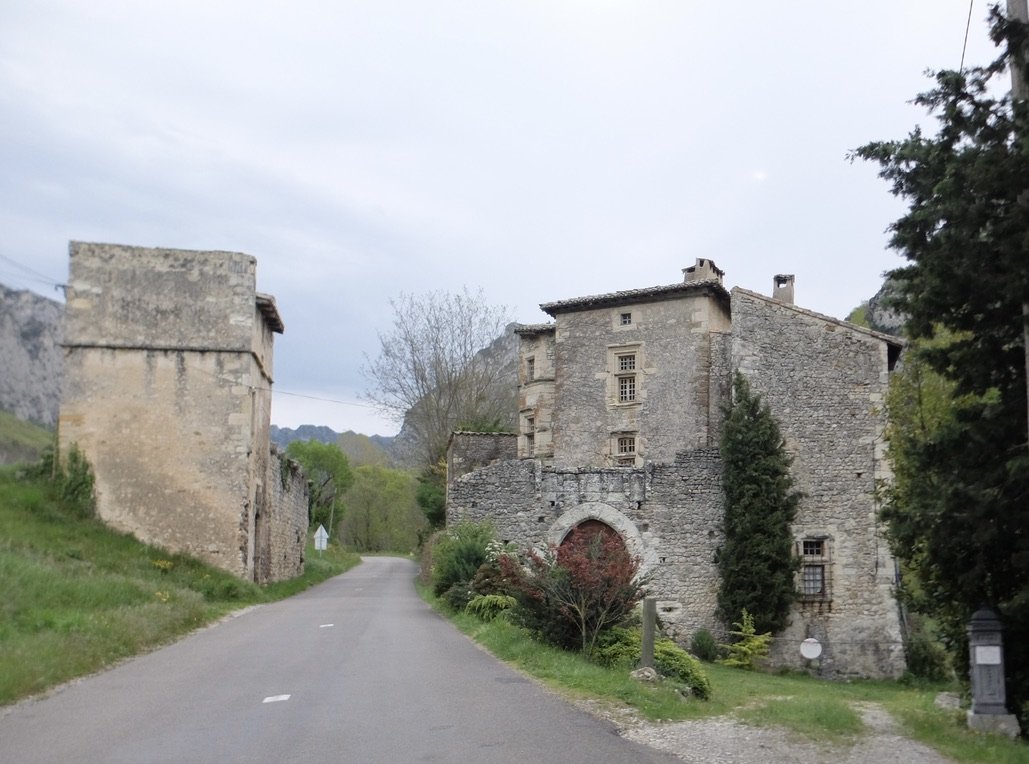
[
  {"x": 21, "y": 441},
  {"x": 78, "y": 597}
]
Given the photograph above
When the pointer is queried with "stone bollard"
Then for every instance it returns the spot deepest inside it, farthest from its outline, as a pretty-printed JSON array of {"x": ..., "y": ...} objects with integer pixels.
[{"x": 989, "y": 712}]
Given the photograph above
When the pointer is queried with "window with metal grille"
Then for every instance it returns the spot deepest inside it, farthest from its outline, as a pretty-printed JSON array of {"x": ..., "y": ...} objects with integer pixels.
[
  {"x": 812, "y": 580},
  {"x": 815, "y": 569},
  {"x": 530, "y": 369},
  {"x": 625, "y": 319},
  {"x": 627, "y": 362},
  {"x": 626, "y": 446},
  {"x": 627, "y": 389}
]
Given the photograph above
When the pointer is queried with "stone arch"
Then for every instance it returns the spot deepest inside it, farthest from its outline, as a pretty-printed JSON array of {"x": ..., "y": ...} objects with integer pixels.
[{"x": 604, "y": 513}]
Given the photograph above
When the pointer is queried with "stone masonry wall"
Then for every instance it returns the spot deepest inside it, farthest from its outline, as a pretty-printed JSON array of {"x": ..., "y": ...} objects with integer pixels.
[
  {"x": 167, "y": 437},
  {"x": 672, "y": 339},
  {"x": 167, "y": 392},
  {"x": 825, "y": 382},
  {"x": 282, "y": 551},
  {"x": 668, "y": 515}
]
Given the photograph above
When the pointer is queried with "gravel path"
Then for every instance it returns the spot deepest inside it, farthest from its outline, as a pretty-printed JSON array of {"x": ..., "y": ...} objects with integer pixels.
[{"x": 723, "y": 740}]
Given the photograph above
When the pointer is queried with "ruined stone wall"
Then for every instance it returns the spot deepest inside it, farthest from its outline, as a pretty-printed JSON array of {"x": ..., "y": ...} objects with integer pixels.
[
  {"x": 826, "y": 382},
  {"x": 469, "y": 451},
  {"x": 283, "y": 522},
  {"x": 667, "y": 515},
  {"x": 673, "y": 343}
]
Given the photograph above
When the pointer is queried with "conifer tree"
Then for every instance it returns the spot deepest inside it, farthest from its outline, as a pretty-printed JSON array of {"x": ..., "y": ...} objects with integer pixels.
[{"x": 756, "y": 560}]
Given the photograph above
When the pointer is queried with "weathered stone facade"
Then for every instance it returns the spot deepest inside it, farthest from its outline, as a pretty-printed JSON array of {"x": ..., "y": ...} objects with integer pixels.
[
  {"x": 629, "y": 389},
  {"x": 167, "y": 391}
]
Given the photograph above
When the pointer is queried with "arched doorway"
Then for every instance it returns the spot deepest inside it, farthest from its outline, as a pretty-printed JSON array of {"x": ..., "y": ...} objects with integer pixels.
[{"x": 591, "y": 529}]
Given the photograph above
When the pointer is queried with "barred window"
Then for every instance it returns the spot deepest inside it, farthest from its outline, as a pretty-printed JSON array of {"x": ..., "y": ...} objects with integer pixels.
[
  {"x": 530, "y": 369},
  {"x": 627, "y": 389},
  {"x": 626, "y": 446},
  {"x": 812, "y": 583},
  {"x": 625, "y": 319},
  {"x": 815, "y": 568},
  {"x": 627, "y": 362}
]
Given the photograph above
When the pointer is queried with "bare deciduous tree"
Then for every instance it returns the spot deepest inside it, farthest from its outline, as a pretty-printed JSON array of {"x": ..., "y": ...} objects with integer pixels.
[{"x": 431, "y": 373}]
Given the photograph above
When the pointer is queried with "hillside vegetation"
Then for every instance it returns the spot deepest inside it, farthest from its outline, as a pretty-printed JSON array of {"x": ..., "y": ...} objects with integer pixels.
[
  {"x": 21, "y": 441},
  {"x": 78, "y": 597}
]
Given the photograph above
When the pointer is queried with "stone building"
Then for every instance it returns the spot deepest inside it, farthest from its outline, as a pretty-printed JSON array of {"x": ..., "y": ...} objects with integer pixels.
[
  {"x": 167, "y": 392},
  {"x": 620, "y": 416}
]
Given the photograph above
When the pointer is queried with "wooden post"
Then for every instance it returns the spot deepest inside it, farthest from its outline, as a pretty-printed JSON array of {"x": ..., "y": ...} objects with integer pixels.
[{"x": 649, "y": 626}]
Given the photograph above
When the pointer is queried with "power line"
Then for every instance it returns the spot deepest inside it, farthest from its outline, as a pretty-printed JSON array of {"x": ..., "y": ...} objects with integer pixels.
[
  {"x": 38, "y": 276},
  {"x": 964, "y": 46}
]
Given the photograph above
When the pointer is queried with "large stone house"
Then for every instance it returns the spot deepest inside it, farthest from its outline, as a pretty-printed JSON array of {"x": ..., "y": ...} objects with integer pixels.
[
  {"x": 167, "y": 393},
  {"x": 621, "y": 402}
]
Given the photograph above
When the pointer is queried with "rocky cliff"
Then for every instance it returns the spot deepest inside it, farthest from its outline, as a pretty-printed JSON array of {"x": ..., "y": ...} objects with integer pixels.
[{"x": 30, "y": 356}]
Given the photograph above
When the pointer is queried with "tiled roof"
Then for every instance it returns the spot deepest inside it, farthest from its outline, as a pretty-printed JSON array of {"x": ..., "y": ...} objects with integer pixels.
[{"x": 632, "y": 296}]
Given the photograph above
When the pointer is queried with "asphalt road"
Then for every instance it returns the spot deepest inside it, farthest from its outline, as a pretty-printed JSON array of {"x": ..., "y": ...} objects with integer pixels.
[{"x": 357, "y": 669}]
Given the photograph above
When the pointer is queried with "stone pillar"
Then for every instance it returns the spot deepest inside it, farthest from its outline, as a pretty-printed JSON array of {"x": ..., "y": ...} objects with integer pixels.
[{"x": 986, "y": 660}]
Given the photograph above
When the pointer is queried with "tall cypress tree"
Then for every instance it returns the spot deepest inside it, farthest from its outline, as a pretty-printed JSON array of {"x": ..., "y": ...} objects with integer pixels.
[{"x": 756, "y": 560}]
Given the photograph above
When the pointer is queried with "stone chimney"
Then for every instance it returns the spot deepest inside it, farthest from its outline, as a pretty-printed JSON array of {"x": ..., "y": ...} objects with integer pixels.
[
  {"x": 704, "y": 270},
  {"x": 782, "y": 288}
]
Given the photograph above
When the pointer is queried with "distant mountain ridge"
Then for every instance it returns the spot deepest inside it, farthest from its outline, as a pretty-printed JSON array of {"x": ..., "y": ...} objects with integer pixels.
[{"x": 360, "y": 449}]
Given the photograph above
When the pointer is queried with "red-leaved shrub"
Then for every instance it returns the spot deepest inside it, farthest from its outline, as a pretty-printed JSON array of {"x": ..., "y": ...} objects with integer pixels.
[{"x": 573, "y": 593}]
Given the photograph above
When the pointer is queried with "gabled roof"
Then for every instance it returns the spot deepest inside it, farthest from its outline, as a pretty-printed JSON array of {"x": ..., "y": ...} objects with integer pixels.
[
  {"x": 635, "y": 296},
  {"x": 890, "y": 339}
]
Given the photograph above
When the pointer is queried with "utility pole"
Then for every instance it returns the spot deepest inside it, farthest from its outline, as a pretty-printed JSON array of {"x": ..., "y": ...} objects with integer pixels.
[{"x": 1017, "y": 10}]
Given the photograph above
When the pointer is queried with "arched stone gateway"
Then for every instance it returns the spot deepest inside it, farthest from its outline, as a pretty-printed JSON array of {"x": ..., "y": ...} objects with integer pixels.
[{"x": 605, "y": 515}]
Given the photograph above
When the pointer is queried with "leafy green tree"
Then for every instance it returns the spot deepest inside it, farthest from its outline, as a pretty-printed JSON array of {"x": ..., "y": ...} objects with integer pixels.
[
  {"x": 756, "y": 560},
  {"x": 960, "y": 523},
  {"x": 328, "y": 477},
  {"x": 432, "y": 495},
  {"x": 382, "y": 514}
]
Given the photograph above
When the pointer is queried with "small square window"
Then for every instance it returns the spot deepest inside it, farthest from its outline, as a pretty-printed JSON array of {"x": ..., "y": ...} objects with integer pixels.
[
  {"x": 626, "y": 446},
  {"x": 625, "y": 319},
  {"x": 813, "y": 547},
  {"x": 627, "y": 362}
]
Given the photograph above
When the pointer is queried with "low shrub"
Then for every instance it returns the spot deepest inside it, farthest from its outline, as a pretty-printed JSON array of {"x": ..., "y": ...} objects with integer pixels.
[
  {"x": 624, "y": 648},
  {"x": 457, "y": 555},
  {"x": 458, "y": 596},
  {"x": 575, "y": 592},
  {"x": 704, "y": 646},
  {"x": 750, "y": 648},
  {"x": 486, "y": 607}
]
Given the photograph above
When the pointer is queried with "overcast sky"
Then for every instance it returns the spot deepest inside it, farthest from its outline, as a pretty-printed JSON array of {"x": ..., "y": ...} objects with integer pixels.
[{"x": 539, "y": 150}]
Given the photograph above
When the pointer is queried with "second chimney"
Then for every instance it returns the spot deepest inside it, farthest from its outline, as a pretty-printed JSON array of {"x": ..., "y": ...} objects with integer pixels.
[{"x": 782, "y": 288}]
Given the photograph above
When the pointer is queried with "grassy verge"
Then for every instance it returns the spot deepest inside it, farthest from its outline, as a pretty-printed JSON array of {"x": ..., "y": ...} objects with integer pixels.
[
  {"x": 807, "y": 707},
  {"x": 78, "y": 597},
  {"x": 21, "y": 441}
]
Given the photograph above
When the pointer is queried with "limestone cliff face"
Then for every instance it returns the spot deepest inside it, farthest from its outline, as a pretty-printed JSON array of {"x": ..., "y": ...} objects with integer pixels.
[
  {"x": 30, "y": 355},
  {"x": 882, "y": 316}
]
